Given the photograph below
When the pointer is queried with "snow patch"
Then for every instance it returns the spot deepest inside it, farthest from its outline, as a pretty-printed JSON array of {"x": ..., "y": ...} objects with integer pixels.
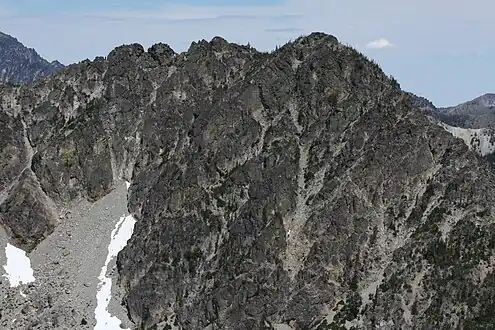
[
  {"x": 119, "y": 237},
  {"x": 480, "y": 140},
  {"x": 18, "y": 267}
]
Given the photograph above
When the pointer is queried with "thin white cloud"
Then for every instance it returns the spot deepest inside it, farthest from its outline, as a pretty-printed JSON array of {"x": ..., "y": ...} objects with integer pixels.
[
  {"x": 180, "y": 12},
  {"x": 379, "y": 44}
]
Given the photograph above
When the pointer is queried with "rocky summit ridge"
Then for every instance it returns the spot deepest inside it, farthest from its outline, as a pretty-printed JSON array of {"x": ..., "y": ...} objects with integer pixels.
[
  {"x": 296, "y": 189},
  {"x": 19, "y": 64}
]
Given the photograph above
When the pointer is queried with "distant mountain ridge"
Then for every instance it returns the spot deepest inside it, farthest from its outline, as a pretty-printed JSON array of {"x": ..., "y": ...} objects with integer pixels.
[
  {"x": 20, "y": 64},
  {"x": 475, "y": 114},
  {"x": 472, "y": 121}
]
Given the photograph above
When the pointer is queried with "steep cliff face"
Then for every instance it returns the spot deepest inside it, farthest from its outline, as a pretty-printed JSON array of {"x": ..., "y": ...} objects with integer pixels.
[
  {"x": 309, "y": 193},
  {"x": 19, "y": 64},
  {"x": 298, "y": 189},
  {"x": 82, "y": 134}
]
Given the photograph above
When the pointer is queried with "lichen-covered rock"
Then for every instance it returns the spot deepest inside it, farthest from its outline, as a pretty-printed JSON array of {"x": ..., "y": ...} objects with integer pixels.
[{"x": 27, "y": 214}]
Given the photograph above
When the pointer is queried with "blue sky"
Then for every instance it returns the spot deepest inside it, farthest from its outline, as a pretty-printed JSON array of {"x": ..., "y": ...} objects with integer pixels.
[
  {"x": 36, "y": 7},
  {"x": 439, "y": 49}
]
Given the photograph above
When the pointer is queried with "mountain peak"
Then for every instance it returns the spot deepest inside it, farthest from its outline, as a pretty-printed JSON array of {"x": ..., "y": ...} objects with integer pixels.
[
  {"x": 293, "y": 189},
  {"x": 317, "y": 37},
  {"x": 20, "y": 64},
  {"x": 57, "y": 64},
  {"x": 7, "y": 36},
  {"x": 487, "y": 100}
]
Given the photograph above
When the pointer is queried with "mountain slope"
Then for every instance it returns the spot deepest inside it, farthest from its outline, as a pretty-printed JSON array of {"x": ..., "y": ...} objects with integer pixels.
[
  {"x": 300, "y": 189},
  {"x": 19, "y": 64},
  {"x": 477, "y": 113}
]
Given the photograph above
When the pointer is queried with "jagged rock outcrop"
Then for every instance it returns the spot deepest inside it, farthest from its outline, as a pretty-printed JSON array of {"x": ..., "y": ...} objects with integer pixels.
[
  {"x": 425, "y": 105},
  {"x": 298, "y": 189},
  {"x": 83, "y": 127},
  {"x": 21, "y": 212},
  {"x": 19, "y": 64}
]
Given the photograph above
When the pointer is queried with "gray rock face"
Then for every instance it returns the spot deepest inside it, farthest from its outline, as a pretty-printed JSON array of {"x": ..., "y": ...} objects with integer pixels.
[
  {"x": 19, "y": 64},
  {"x": 293, "y": 197},
  {"x": 298, "y": 189},
  {"x": 12, "y": 148},
  {"x": 27, "y": 214}
]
